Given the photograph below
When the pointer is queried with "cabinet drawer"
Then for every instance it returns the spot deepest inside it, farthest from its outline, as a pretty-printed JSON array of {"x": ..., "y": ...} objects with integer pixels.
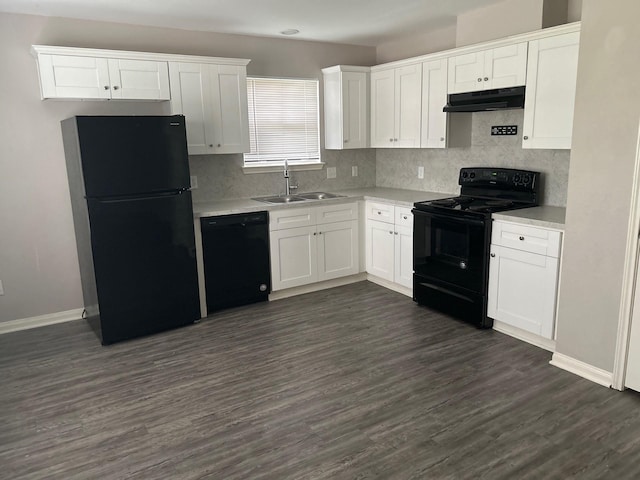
[
  {"x": 291, "y": 218},
  {"x": 381, "y": 212},
  {"x": 336, "y": 213},
  {"x": 526, "y": 238},
  {"x": 404, "y": 217}
]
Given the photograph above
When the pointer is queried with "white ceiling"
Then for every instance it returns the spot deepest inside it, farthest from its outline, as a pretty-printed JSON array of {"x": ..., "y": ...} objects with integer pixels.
[{"x": 360, "y": 22}]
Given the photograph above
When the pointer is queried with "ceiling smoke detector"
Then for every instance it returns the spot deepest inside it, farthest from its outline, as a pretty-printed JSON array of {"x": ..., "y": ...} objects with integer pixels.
[{"x": 290, "y": 31}]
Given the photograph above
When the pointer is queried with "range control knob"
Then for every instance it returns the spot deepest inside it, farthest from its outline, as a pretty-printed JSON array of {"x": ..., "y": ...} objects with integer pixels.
[
  {"x": 526, "y": 179},
  {"x": 465, "y": 174},
  {"x": 472, "y": 175},
  {"x": 516, "y": 178}
]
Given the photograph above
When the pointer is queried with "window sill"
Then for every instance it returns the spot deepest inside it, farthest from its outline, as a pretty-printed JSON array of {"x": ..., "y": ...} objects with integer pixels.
[{"x": 279, "y": 168}]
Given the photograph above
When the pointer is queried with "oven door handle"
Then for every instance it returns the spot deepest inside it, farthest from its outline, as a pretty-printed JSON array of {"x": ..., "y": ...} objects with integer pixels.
[{"x": 450, "y": 218}]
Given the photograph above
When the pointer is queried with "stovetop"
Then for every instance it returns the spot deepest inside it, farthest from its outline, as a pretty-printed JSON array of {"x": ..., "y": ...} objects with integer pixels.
[{"x": 488, "y": 190}]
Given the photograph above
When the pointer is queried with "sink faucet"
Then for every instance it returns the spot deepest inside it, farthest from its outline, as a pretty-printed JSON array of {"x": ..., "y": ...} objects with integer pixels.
[{"x": 287, "y": 185}]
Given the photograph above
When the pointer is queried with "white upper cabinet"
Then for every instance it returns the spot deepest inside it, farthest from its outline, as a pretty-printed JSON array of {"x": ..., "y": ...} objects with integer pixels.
[
  {"x": 74, "y": 73},
  {"x": 499, "y": 67},
  {"x": 434, "y": 98},
  {"x": 346, "y": 107},
  {"x": 550, "y": 94},
  {"x": 396, "y": 107},
  {"x": 213, "y": 99}
]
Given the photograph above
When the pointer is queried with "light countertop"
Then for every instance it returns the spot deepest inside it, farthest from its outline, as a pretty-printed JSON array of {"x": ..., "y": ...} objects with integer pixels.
[
  {"x": 542, "y": 216},
  {"x": 394, "y": 196}
]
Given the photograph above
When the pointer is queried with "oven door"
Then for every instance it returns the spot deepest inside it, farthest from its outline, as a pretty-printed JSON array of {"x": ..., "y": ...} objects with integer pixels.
[{"x": 451, "y": 249}]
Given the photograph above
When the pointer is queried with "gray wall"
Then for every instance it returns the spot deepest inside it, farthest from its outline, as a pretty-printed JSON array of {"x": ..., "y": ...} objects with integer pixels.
[
  {"x": 399, "y": 167},
  {"x": 38, "y": 260},
  {"x": 603, "y": 157}
]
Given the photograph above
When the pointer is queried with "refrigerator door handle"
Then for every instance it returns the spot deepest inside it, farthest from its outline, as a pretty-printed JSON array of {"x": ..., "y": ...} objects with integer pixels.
[{"x": 141, "y": 197}]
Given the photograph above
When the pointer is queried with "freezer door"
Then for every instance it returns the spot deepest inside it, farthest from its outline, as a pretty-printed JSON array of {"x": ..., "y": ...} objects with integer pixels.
[
  {"x": 127, "y": 155},
  {"x": 145, "y": 264}
]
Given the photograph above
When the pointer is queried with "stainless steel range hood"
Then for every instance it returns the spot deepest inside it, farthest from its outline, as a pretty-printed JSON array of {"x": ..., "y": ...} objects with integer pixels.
[{"x": 486, "y": 100}]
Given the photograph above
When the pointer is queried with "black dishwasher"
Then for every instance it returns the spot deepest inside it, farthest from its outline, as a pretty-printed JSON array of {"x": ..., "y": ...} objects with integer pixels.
[{"x": 236, "y": 259}]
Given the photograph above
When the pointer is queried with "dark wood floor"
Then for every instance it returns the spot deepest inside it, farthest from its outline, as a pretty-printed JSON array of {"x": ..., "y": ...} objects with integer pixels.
[{"x": 356, "y": 382}]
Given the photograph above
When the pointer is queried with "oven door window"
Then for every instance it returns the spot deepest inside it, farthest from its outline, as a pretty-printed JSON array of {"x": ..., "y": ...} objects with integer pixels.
[{"x": 450, "y": 249}]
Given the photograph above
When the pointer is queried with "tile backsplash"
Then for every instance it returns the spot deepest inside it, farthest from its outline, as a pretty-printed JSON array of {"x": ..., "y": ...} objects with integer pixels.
[
  {"x": 222, "y": 177},
  {"x": 398, "y": 168}
]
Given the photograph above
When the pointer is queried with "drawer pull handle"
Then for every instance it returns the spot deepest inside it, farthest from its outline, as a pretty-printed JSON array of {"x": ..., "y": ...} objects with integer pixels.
[
  {"x": 522, "y": 238},
  {"x": 493, "y": 255}
]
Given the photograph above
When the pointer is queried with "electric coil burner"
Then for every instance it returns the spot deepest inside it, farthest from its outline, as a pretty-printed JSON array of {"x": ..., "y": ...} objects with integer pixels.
[{"x": 452, "y": 236}]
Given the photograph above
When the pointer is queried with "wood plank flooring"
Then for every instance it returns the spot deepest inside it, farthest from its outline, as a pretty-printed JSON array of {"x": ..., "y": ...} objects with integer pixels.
[{"x": 356, "y": 382}]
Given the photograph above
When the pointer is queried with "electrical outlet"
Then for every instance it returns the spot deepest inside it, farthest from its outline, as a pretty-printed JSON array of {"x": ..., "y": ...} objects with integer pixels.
[
  {"x": 354, "y": 171},
  {"x": 331, "y": 172},
  {"x": 1, "y": 288},
  {"x": 421, "y": 172},
  {"x": 194, "y": 181}
]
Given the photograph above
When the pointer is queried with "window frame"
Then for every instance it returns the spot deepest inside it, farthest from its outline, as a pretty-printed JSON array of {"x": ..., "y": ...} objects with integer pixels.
[{"x": 294, "y": 165}]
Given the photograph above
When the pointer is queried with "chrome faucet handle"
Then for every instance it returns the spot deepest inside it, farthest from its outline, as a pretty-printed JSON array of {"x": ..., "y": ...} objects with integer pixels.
[{"x": 293, "y": 187}]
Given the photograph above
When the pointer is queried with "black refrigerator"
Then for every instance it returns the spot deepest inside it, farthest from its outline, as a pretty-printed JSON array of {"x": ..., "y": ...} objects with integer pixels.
[{"x": 129, "y": 183}]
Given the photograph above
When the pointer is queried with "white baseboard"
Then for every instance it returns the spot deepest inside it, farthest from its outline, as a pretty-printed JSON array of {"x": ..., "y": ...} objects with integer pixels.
[
  {"x": 40, "y": 321},
  {"x": 525, "y": 336},
  {"x": 390, "y": 285},
  {"x": 582, "y": 369},
  {"x": 315, "y": 287}
]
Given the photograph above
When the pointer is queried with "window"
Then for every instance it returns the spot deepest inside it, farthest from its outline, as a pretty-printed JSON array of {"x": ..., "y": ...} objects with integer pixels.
[{"x": 283, "y": 122}]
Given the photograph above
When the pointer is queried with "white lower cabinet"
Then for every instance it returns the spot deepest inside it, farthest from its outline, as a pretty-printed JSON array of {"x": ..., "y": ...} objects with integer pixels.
[
  {"x": 313, "y": 244},
  {"x": 523, "y": 277},
  {"x": 389, "y": 243}
]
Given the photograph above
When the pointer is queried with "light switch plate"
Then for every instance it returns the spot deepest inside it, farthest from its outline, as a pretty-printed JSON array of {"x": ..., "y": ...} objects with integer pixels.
[
  {"x": 420, "y": 172},
  {"x": 1, "y": 288},
  {"x": 354, "y": 171},
  {"x": 194, "y": 181},
  {"x": 331, "y": 172}
]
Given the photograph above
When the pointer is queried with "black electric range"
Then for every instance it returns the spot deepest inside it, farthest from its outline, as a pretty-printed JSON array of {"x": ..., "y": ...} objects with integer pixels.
[{"x": 452, "y": 237}]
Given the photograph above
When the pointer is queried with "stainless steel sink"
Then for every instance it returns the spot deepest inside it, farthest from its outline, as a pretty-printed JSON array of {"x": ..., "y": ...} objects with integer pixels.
[
  {"x": 280, "y": 199},
  {"x": 302, "y": 197},
  {"x": 319, "y": 195}
]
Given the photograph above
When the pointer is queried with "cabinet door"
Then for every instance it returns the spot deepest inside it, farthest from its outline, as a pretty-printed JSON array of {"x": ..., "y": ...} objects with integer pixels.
[
  {"x": 382, "y": 108},
  {"x": 337, "y": 250},
  {"x": 379, "y": 255},
  {"x": 191, "y": 97},
  {"x": 522, "y": 290},
  {"x": 66, "y": 76},
  {"x": 354, "y": 110},
  {"x": 408, "y": 106},
  {"x": 403, "y": 253},
  {"x": 434, "y": 97},
  {"x": 551, "y": 89},
  {"x": 293, "y": 257},
  {"x": 466, "y": 72},
  {"x": 505, "y": 66},
  {"x": 231, "y": 114},
  {"x": 138, "y": 79}
]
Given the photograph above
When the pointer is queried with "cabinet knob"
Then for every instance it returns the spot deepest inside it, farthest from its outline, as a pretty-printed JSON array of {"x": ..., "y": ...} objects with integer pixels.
[
  {"x": 379, "y": 212},
  {"x": 395, "y": 233},
  {"x": 106, "y": 87},
  {"x": 390, "y": 232},
  {"x": 442, "y": 139},
  {"x": 219, "y": 145},
  {"x": 525, "y": 138},
  {"x": 319, "y": 233},
  {"x": 116, "y": 87},
  {"x": 404, "y": 217},
  {"x": 391, "y": 139},
  {"x": 493, "y": 255},
  {"x": 346, "y": 141},
  {"x": 486, "y": 79},
  {"x": 314, "y": 233},
  {"x": 395, "y": 139},
  {"x": 521, "y": 239}
]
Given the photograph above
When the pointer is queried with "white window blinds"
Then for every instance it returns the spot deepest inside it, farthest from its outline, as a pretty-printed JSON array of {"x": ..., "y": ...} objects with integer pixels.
[{"x": 283, "y": 121}]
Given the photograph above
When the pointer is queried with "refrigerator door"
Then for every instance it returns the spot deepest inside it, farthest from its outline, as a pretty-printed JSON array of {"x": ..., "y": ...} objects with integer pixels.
[
  {"x": 145, "y": 264},
  {"x": 128, "y": 155}
]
